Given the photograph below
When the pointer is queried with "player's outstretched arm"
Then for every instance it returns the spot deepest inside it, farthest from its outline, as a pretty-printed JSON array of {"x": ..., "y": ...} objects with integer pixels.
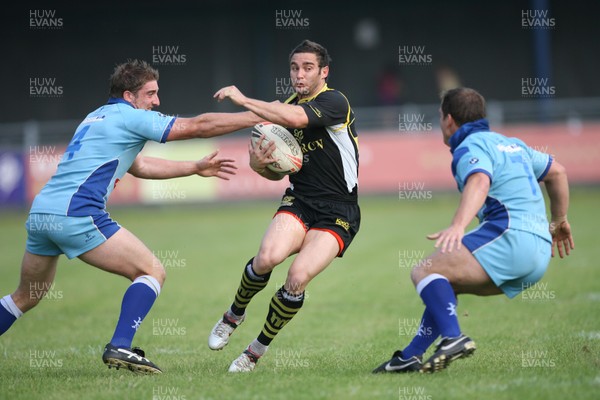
[
  {"x": 158, "y": 168},
  {"x": 288, "y": 115},
  {"x": 209, "y": 125},
  {"x": 557, "y": 186},
  {"x": 473, "y": 197}
]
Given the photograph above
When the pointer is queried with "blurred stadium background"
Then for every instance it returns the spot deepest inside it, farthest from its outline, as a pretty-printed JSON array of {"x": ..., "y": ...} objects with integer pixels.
[{"x": 535, "y": 61}]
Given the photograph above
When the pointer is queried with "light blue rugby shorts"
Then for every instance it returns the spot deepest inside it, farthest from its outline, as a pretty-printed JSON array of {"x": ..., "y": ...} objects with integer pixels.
[
  {"x": 52, "y": 235},
  {"x": 514, "y": 260}
]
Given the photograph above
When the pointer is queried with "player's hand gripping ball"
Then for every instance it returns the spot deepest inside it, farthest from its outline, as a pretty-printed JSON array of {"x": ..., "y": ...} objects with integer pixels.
[{"x": 287, "y": 150}]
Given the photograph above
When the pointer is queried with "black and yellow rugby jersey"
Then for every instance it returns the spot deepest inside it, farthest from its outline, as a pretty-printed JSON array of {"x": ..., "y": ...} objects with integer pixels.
[{"x": 330, "y": 148}]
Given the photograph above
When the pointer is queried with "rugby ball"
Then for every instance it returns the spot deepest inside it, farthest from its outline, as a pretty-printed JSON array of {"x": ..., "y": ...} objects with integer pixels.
[{"x": 287, "y": 150}]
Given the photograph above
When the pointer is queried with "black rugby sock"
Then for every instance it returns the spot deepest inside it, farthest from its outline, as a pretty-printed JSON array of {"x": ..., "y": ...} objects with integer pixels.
[
  {"x": 250, "y": 284},
  {"x": 282, "y": 309}
]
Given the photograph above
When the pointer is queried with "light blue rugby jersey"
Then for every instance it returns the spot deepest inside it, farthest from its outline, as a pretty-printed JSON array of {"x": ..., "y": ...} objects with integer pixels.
[
  {"x": 103, "y": 148},
  {"x": 515, "y": 199}
]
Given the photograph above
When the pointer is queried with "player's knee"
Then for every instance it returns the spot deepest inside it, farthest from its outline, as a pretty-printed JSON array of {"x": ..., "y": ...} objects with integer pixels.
[
  {"x": 159, "y": 273},
  {"x": 267, "y": 259},
  {"x": 423, "y": 267},
  {"x": 297, "y": 281},
  {"x": 156, "y": 270},
  {"x": 418, "y": 273}
]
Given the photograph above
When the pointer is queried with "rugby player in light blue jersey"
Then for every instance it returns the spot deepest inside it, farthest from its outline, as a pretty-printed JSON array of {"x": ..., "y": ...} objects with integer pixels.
[
  {"x": 510, "y": 249},
  {"x": 69, "y": 215}
]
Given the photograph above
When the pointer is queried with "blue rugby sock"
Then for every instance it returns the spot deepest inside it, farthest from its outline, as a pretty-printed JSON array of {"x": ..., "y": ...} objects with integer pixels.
[
  {"x": 9, "y": 312},
  {"x": 427, "y": 334},
  {"x": 137, "y": 302},
  {"x": 439, "y": 299}
]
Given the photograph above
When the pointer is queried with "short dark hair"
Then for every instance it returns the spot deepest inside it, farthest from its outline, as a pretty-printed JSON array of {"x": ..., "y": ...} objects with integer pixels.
[
  {"x": 131, "y": 76},
  {"x": 308, "y": 46},
  {"x": 464, "y": 104}
]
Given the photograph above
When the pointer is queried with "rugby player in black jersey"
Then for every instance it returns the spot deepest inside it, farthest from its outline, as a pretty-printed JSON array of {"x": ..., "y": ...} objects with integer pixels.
[{"x": 319, "y": 214}]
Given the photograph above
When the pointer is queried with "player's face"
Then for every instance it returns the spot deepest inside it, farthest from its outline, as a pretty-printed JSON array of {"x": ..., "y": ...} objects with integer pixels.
[
  {"x": 307, "y": 78},
  {"x": 146, "y": 98}
]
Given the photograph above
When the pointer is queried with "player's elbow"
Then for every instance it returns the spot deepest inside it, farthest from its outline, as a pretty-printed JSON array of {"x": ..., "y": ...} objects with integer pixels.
[
  {"x": 293, "y": 124},
  {"x": 295, "y": 120},
  {"x": 137, "y": 168}
]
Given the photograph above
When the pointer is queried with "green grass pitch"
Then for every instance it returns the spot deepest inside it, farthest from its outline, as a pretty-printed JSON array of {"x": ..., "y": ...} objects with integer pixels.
[{"x": 544, "y": 344}]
